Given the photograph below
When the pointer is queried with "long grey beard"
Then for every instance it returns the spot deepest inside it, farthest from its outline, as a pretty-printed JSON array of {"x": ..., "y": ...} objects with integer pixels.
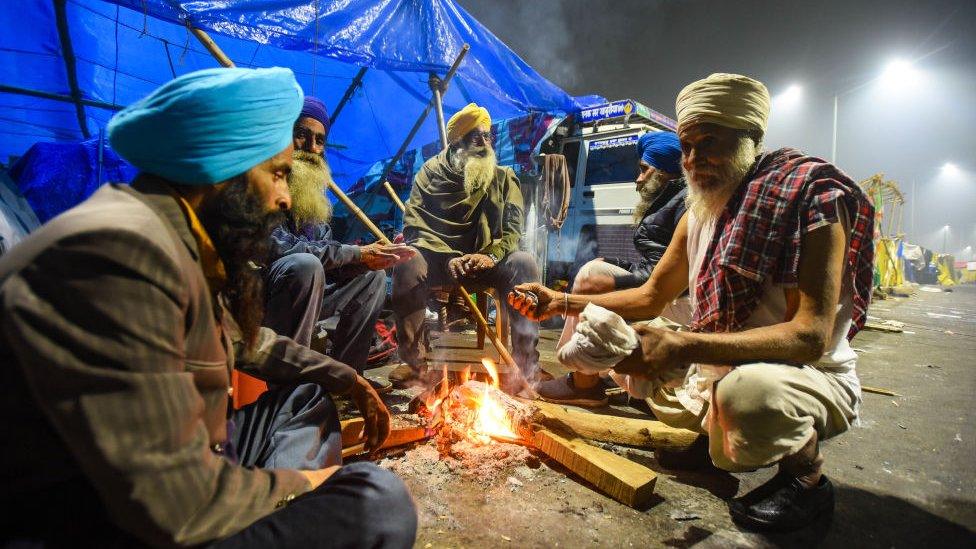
[
  {"x": 306, "y": 183},
  {"x": 479, "y": 171},
  {"x": 707, "y": 203},
  {"x": 648, "y": 193}
]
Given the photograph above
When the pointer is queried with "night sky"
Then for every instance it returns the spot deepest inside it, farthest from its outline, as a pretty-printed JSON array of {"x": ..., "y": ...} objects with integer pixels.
[{"x": 906, "y": 127}]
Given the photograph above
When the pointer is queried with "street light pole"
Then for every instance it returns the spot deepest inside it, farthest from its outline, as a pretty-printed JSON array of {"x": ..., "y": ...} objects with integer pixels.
[
  {"x": 914, "y": 200},
  {"x": 833, "y": 141}
]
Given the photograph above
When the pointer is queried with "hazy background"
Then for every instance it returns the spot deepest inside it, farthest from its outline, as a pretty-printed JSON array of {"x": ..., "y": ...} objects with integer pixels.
[{"x": 907, "y": 126}]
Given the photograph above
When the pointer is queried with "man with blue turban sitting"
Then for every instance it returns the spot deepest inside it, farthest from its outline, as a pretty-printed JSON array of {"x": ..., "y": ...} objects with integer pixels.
[
  {"x": 121, "y": 321},
  {"x": 313, "y": 276},
  {"x": 662, "y": 203}
]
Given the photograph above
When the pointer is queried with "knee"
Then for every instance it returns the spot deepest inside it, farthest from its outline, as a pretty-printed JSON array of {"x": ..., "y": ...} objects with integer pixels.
[
  {"x": 376, "y": 281},
  {"x": 748, "y": 395},
  {"x": 385, "y": 492},
  {"x": 302, "y": 266},
  {"x": 593, "y": 284},
  {"x": 409, "y": 273}
]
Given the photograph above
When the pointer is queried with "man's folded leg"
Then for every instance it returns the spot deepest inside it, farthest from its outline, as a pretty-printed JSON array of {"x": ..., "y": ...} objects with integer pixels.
[
  {"x": 361, "y": 505},
  {"x": 294, "y": 427}
]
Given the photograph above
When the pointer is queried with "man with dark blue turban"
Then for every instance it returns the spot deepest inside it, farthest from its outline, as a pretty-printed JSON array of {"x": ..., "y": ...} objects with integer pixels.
[
  {"x": 662, "y": 203},
  {"x": 312, "y": 275},
  {"x": 122, "y": 322}
]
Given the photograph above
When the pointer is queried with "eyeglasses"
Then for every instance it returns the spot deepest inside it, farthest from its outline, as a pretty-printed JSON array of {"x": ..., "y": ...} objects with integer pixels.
[{"x": 479, "y": 136}]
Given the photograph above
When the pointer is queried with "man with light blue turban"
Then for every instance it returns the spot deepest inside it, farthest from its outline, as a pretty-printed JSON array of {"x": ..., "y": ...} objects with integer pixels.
[
  {"x": 662, "y": 203},
  {"x": 124, "y": 322}
]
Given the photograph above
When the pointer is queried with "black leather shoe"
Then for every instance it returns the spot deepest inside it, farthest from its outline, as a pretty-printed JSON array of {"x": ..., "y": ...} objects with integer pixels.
[{"x": 783, "y": 504}]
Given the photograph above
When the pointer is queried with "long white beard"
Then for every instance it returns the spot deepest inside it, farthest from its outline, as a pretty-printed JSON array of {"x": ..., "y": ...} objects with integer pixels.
[
  {"x": 479, "y": 171},
  {"x": 706, "y": 201},
  {"x": 306, "y": 184}
]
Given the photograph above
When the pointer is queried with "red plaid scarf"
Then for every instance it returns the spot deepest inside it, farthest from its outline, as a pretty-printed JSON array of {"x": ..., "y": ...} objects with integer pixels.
[{"x": 787, "y": 194}]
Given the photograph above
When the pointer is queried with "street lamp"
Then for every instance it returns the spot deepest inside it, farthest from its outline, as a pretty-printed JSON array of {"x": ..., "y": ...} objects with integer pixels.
[
  {"x": 899, "y": 73},
  {"x": 950, "y": 169}
]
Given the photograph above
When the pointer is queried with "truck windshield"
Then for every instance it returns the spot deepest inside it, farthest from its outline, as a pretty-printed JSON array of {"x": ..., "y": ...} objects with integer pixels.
[{"x": 611, "y": 160}]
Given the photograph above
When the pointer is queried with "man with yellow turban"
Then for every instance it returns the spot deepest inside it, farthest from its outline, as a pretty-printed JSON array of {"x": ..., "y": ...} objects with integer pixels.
[
  {"x": 464, "y": 215},
  {"x": 122, "y": 320},
  {"x": 776, "y": 248}
]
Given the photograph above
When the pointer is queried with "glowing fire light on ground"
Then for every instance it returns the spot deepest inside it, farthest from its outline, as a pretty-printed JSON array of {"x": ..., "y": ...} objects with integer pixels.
[{"x": 477, "y": 415}]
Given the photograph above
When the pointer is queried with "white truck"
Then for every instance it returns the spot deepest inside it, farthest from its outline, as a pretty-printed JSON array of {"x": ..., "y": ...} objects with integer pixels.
[{"x": 600, "y": 146}]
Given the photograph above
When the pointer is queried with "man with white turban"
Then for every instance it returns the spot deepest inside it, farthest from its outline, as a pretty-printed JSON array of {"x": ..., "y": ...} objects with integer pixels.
[
  {"x": 121, "y": 323},
  {"x": 776, "y": 249},
  {"x": 464, "y": 215}
]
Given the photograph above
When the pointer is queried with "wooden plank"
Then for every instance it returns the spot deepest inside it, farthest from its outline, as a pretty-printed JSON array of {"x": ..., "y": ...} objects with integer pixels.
[
  {"x": 398, "y": 437},
  {"x": 623, "y": 480},
  {"x": 644, "y": 433},
  {"x": 882, "y": 328}
]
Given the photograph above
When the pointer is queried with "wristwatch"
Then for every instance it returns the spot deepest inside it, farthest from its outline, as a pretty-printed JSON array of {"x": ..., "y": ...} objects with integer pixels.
[{"x": 493, "y": 257}]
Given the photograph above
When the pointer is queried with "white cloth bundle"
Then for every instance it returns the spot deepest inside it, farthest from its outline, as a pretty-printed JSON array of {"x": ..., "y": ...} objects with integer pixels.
[{"x": 602, "y": 339}]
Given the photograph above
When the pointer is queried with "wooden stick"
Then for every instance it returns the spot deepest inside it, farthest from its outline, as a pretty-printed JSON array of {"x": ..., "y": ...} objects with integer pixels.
[
  {"x": 623, "y": 480},
  {"x": 644, "y": 433},
  {"x": 212, "y": 47},
  {"x": 358, "y": 213},
  {"x": 482, "y": 321},
  {"x": 394, "y": 196},
  {"x": 879, "y": 391}
]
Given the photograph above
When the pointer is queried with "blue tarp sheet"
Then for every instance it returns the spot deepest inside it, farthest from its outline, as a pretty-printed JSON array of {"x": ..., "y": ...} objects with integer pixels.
[{"x": 122, "y": 49}]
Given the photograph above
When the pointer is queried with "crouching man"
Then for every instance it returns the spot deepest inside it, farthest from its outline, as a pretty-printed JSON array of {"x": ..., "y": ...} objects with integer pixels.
[
  {"x": 120, "y": 322},
  {"x": 776, "y": 248}
]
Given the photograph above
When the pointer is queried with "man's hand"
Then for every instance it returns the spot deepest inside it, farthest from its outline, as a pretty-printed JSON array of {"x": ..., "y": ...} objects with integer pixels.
[
  {"x": 469, "y": 264},
  {"x": 551, "y": 303},
  {"x": 378, "y": 256},
  {"x": 376, "y": 418},
  {"x": 659, "y": 350},
  {"x": 316, "y": 477}
]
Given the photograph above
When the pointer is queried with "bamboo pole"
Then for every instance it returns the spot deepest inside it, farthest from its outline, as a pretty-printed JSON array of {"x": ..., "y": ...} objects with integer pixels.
[
  {"x": 212, "y": 47},
  {"x": 358, "y": 213},
  {"x": 394, "y": 196},
  {"x": 482, "y": 321}
]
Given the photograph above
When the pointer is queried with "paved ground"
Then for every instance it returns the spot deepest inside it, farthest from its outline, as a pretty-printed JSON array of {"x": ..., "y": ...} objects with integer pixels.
[{"x": 906, "y": 478}]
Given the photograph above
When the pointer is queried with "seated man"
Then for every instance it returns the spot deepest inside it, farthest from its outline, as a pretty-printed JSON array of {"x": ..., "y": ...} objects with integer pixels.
[
  {"x": 313, "y": 276},
  {"x": 662, "y": 203},
  {"x": 776, "y": 248},
  {"x": 121, "y": 321},
  {"x": 464, "y": 215}
]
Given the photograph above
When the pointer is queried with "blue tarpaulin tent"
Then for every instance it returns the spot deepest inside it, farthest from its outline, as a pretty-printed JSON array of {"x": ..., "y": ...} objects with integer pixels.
[{"x": 67, "y": 64}]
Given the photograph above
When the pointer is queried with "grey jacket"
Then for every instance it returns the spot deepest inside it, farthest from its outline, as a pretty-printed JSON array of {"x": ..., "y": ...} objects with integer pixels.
[{"x": 116, "y": 366}]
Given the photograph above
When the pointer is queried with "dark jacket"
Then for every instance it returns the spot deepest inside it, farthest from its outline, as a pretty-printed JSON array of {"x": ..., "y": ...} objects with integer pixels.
[
  {"x": 654, "y": 232},
  {"x": 316, "y": 240}
]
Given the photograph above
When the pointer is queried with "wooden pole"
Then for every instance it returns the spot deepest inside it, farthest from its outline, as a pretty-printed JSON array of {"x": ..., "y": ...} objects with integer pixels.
[
  {"x": 212, "y": 47},
  {"x": 423, "y": 115},
  {"x": 394, "y": 196},
  {"x": 358, "y": 213},
  {"x": 345, "y": 98},
  {"x": 482, "y": 321}
]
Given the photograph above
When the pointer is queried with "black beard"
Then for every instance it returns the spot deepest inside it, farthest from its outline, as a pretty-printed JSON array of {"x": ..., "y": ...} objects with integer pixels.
[{"x": 240, "y": 228}]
